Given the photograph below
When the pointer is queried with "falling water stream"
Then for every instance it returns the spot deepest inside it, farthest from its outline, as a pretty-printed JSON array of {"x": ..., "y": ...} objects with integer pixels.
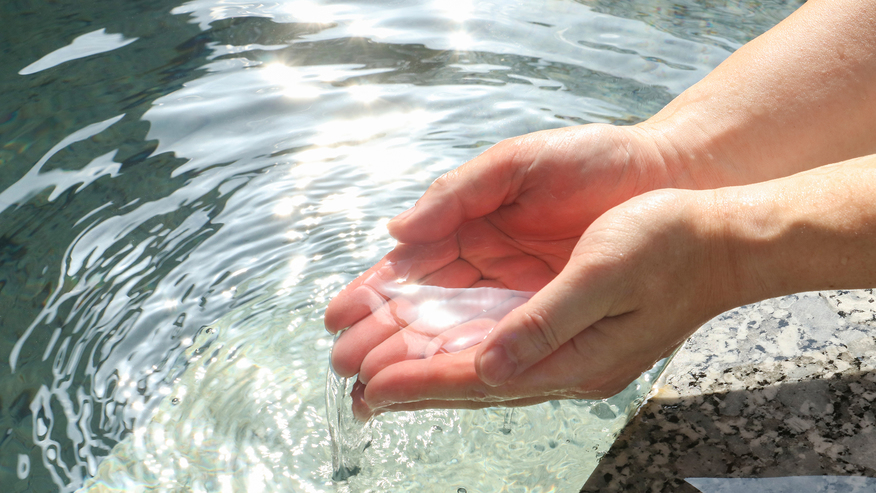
[{"x": 348, "y": 437}]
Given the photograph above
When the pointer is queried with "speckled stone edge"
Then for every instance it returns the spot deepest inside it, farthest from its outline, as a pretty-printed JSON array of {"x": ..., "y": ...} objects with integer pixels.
[{"x": 780, "y": 388}]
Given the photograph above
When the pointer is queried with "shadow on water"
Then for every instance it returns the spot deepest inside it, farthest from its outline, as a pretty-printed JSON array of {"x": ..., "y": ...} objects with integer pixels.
[
  {"x": 821, "y": 427},
  {"x": 725, "y": 24}
]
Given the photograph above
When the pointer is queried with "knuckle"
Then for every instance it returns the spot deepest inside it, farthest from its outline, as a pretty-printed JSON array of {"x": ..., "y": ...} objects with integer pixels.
[
  {"x": 448, "y": 186},
  {"x": 543, "y": 336},
  {"x": 505, "y": 145},
  {"x": 441, "y": 181}
]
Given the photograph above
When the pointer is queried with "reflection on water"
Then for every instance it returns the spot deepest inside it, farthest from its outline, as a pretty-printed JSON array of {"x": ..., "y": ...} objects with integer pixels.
[
  {"x": 186, "y": 184},
  {"x": 83, "y": 46}
]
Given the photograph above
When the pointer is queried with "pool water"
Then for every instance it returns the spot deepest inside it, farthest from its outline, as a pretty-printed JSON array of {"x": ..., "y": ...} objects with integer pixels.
[{"x": 185, "y": 185}]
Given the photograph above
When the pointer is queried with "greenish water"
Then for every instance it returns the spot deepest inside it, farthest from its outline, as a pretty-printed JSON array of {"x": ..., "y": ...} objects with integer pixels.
[{"x": 185, "y": 184}]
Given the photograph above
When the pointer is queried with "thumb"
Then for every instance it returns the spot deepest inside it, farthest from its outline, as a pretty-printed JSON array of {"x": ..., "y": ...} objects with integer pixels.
[{"x": 569, "y": 304}]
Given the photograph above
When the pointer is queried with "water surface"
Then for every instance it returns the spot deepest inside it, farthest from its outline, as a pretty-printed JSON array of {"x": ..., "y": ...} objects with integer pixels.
[{"x": 186, "y": 184}]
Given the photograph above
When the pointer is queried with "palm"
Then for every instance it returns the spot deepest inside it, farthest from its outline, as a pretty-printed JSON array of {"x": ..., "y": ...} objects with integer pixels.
[
  {"x": 545, "y": 186},
  {"x": 571, "y": 177},
  {"x": 499, "y": 259}
]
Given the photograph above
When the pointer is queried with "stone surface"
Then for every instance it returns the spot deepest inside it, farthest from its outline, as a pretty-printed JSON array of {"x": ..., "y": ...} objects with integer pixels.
[{"x": 782, "y": 388}]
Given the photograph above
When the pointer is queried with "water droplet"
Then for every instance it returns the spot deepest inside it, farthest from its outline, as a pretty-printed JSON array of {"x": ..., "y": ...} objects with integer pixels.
[
  {"x": 174, "y": 401},
  {"x": 461, "y": 490}
]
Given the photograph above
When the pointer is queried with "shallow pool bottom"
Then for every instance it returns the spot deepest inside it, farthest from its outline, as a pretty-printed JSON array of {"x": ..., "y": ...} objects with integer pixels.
[{"x": 241, "y": 415}]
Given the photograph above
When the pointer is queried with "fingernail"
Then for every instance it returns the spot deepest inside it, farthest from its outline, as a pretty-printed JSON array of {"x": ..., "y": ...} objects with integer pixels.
[{"x": 496, "y": 366}]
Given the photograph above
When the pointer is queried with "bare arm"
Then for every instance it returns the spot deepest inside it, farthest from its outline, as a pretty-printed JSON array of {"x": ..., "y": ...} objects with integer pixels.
[
  {"x": 799, "y": 96},
  {"x": 812, "y": 231},
  {"x": 646, "y": 275}
]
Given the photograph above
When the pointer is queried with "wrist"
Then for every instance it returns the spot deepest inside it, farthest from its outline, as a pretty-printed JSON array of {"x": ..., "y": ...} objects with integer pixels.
[
  {"x": 705, "y": 146},
  {"x": 688, "y": 152},
  {"x": 811, "y": 231},
  {"x": 748, "y": 227}
]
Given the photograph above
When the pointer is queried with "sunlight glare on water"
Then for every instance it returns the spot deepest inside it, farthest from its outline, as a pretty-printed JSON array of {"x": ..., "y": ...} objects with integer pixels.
[{"x": 187, "y": 183}]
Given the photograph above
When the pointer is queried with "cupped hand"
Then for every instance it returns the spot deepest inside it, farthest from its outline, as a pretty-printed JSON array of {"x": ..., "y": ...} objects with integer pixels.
[
  {"x": 509, "y": 219},
  {"x": 641, "y": 279}
]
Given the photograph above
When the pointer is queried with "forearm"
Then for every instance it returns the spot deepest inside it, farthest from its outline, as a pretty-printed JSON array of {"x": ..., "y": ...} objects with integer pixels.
[
  {"x": 800, "y": 96},
  {"x": 811, "y": 231}
]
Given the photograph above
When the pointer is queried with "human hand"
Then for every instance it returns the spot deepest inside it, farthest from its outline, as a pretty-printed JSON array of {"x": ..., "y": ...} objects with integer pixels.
[
  {"x": 642, "y": 277},
  {"x": 525, "y": 202},
  {"x": 638, "y": 282}
]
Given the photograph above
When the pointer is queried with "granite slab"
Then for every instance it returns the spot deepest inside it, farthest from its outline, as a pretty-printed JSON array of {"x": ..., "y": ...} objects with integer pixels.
[{"x": 783, "y": 389}]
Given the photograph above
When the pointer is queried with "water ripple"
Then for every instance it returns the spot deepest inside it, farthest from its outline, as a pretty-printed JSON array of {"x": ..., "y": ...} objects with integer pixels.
[{"x": 175, "y": 213}]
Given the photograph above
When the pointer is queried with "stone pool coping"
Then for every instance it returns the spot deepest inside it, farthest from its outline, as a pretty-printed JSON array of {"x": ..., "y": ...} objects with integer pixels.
[{"x": 781, "y": 388}]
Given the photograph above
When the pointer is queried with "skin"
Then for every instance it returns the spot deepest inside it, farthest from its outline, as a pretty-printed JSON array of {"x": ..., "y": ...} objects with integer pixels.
[{"x": 633, "y": 237}]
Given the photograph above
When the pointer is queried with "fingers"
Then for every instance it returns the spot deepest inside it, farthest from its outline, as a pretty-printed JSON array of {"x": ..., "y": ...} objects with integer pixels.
[
  {"x": 444, "y": 324},
  {"x": 353, "y": 304},
  {"x": 407, "y": 263},
  {"x": 597, "y": 363},
  {"x": 415, "y": 343},
  {"x": 576, "y": 299},
  {"x": 573, "y": 371},
  {"x": 362, "y": 412},
  {"x": 441, "y": 377},
  {"x": 473, "y": 190},
  {"x": 405, "y": 318},
  {"x": 355, "y": 343},
  {"x": 458, "y": 338}
]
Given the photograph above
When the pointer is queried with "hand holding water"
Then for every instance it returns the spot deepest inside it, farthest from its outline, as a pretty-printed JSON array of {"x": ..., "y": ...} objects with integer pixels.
[
  {"x": 524, "y": 204},
  {"x": 508, "y": 220},
  {"x": 640, "y": 279},
  {"x": 622, "y": 273}
]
